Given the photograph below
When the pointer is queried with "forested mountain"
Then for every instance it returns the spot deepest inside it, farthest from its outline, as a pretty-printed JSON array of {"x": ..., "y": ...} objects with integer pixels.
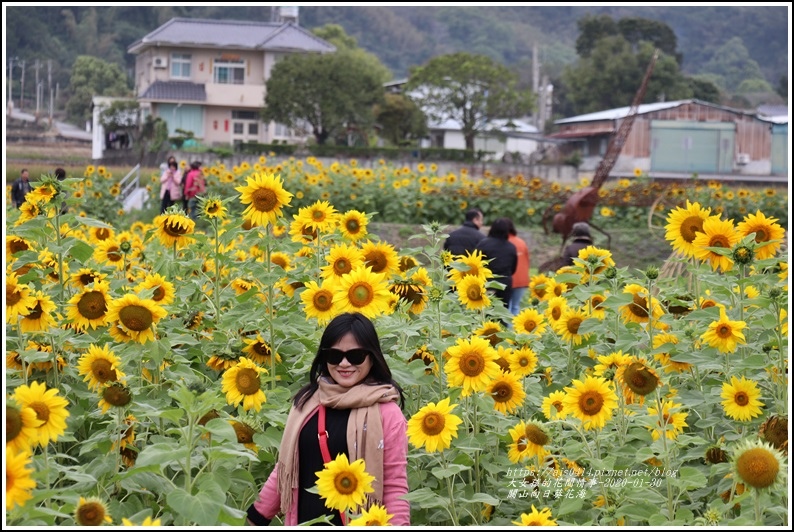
[{"x": 708, "y": 37}]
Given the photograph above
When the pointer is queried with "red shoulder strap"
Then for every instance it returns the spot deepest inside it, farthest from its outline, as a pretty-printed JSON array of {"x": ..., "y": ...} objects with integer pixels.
[{"x": 322, "y": 436}]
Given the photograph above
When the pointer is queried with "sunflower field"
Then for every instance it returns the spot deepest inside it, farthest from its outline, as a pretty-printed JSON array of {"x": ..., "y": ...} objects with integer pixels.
[{"x": 150, "y": 365}]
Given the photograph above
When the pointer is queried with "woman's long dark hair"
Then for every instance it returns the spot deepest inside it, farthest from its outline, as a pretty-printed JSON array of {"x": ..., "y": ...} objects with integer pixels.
[{"x": 364, "y": 332}]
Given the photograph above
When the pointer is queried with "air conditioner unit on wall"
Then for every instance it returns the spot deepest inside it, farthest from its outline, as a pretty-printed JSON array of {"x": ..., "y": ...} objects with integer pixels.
[
  {"x": 742, "y": 158},
  {"x": 160, "y": 62}
]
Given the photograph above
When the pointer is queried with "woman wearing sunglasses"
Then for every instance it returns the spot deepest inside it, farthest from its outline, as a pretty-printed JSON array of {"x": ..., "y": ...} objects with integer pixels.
[{"x": 351, "y": 387}]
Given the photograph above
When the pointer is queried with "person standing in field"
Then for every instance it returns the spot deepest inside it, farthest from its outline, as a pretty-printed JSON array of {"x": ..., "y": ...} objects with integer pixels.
[{"x": 521, "y": 276}]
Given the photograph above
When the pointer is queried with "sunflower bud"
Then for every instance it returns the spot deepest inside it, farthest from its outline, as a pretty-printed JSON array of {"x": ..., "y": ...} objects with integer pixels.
[
  {"x": 125, "y": 247},
  {"x": 774, "y": 292},
  {"x": 742, "y": 255},
  {"x": 611, "y": 272},
  {"x": 652, "y": 273}
]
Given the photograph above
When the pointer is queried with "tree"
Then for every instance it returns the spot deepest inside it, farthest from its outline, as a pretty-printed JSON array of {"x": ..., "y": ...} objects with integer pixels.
[
  {"x": 782, "y": 87},
  {"x": 335, "y": 34},
  {"x": 326, "y": 91},
  {"x": 401, "y": 120},
  {"x": 611, "y": 75},
  {"x": 704, "y": 90},
  {"x": 635, "y": 30},
  {"x": 733, "y": 64},
  {"x": 471, "y": 89},
  {"x": 91, "y": 77}
]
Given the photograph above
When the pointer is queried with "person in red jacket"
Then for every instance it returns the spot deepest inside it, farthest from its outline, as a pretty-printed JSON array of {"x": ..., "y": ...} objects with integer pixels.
[
  {"x": 194, "y": 186},
  {"x": 351, "y": 380},
  {"x": 521, "y": 276}
]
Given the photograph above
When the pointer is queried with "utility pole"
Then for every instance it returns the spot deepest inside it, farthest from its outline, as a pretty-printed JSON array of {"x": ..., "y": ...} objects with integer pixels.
[
  {"x": 38, "y": 89},
  {"x": 22, "y": 87},
  {"x": 11, "y": 82},
  {"x": 49, "y": 86}
]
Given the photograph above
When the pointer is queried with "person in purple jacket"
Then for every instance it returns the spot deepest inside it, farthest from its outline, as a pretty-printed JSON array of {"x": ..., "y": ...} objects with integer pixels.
[{"x": 350, "y": 377}]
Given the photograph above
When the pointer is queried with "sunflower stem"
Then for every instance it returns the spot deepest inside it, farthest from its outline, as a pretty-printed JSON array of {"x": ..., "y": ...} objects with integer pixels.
[
  {"x": 757, "y": 501},
  {"x": 188, "y": 465},
  {"x": 666, "y": 461},
  {"x": 453, "y": 513},
  {"x": 270, "y": 296},
  {"x": 216, "y": 293},
  {"x": 117, "y": 440}
]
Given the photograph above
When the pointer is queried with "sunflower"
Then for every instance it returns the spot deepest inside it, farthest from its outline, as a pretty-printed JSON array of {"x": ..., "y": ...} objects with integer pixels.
[
  {"x": 536, "y": 518},
  {"x": 100, "y": 234},
  {"x": 265, "y": 196},
  {"x": 555, "y": 308},
  {"x": 342, "y": 259},
  {"x": 320, "y": 216},
  {"x": 591, "y": 400},
  {"x": 489, "y": 331},
  {"x": 724, "y": 334},
  {"x": 49, "y": 407},
  {"x": 27, "y": 211},
  {"x": 146, "y": 522},
  {"x": 413, "y": 293},
  {"x": 91, "y": 512},
  {"x": 740, "y": 399},
  {"x": 593, "y": 261},
  {"x": 670, "y": 365},
  {"x": 318, "y": 301},
  {"x": 173, "y": 229},
  {"x": 99, "y": 366},
  {"x": 114, "y": 394},
  {"x": 553, "y": 407},
  {"x": 775, "y": 432},
  {"x": 472, "y": 365},
  {"x": 17, "y": 244},
  {"x": 533, "y": 437},
  {"x": 21, "y": 425},
  {"x": 353, "y": 225},
  {"x": 302, "y": 232},
  {"x": 19, "y": 300},
  {"x": 89, "y": 308},
  {"x": 683, "y": 225},
  {"x": 537, "y": 286},
  {"x": 637, "y": 379},
  {"x": 768, "y": 234},
  {"x": 674, "y": 422},
  {"x": 85, "y": 276},
  {"x": 381, "y": 257},
  {"x": 434, "y": 426},
  {"x": 242, "y": 384},
  {"x": 136, "y": 316},
  {"x": 529, "y": 321},
  {"x": 472, "y": 293},
  {"x": 568, "y": 325},
  {"x": 245, "y": 434},
  {"x": 281, "y": 259},
  {"x": 344, "y": 485},
  {"x": 758, "y": 465},
  {"x": 638, "y": 310},
  {"x": 518, "y": 448},
  {"x": 258, "y": 351},
  {"x": 523, "y": 361},
  {"x": 507, "y": 392},
  {"x": 716, "y": 233},
  {"x": 39, "y": 317},
  {"x": 212, "y": 208},
  {"x": 42, "y": 194},
  {"x": 362, "y": 291},
  {"x": 472, "y": 264},
  {"x": 19, "y": 484}
]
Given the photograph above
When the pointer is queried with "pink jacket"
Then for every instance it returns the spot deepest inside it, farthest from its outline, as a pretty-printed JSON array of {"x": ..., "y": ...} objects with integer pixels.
[
  {"x": 172, "y": 183},
  {"x": 395, "y": 474}
]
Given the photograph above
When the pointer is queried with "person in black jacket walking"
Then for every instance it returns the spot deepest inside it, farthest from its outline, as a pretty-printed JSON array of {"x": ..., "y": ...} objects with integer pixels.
[
  {"x": 465, "y": 238},
  {"x": 502, "y": 255},
  {"x": 20, "y": 187},
  {"x": 580, "y": 235}
]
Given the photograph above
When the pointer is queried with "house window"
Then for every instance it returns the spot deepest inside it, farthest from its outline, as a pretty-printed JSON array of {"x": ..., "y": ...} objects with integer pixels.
[
  {"x": 180, "y": 66},
  {"x": 282, "y": 130},
  {"x": 253, "y": 129},
  {"x": 238, "y": 128},
  {"x": 229, "y": 72},
  {"x": 245, "y": 115}
]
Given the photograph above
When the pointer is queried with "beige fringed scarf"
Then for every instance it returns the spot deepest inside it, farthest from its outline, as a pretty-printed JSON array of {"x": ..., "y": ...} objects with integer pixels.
[{"x": 364, "y": 432}]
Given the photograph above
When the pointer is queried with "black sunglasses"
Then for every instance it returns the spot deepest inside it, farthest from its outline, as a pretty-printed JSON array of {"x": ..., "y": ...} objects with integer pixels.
[{"x": 354, "y": 356}]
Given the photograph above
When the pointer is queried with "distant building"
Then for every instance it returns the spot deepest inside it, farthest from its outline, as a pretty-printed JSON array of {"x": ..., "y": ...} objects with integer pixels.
[
  {"x": 681, "y": 138},
  {"x": 208, "y": 76}
]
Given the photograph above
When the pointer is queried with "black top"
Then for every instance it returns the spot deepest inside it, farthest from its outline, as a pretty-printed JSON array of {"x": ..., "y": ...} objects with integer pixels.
[
  {"x": 311, "y": 505},
  {"x": 503, "y": 261},
  {"x": 19, "y": 189},
  {"x": 463, "y": 239},
  {"x": 571, "y": 251}
]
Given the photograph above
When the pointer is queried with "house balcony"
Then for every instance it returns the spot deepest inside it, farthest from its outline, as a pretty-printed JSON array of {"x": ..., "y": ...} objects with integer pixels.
[{"x": 227, "y": 95}]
